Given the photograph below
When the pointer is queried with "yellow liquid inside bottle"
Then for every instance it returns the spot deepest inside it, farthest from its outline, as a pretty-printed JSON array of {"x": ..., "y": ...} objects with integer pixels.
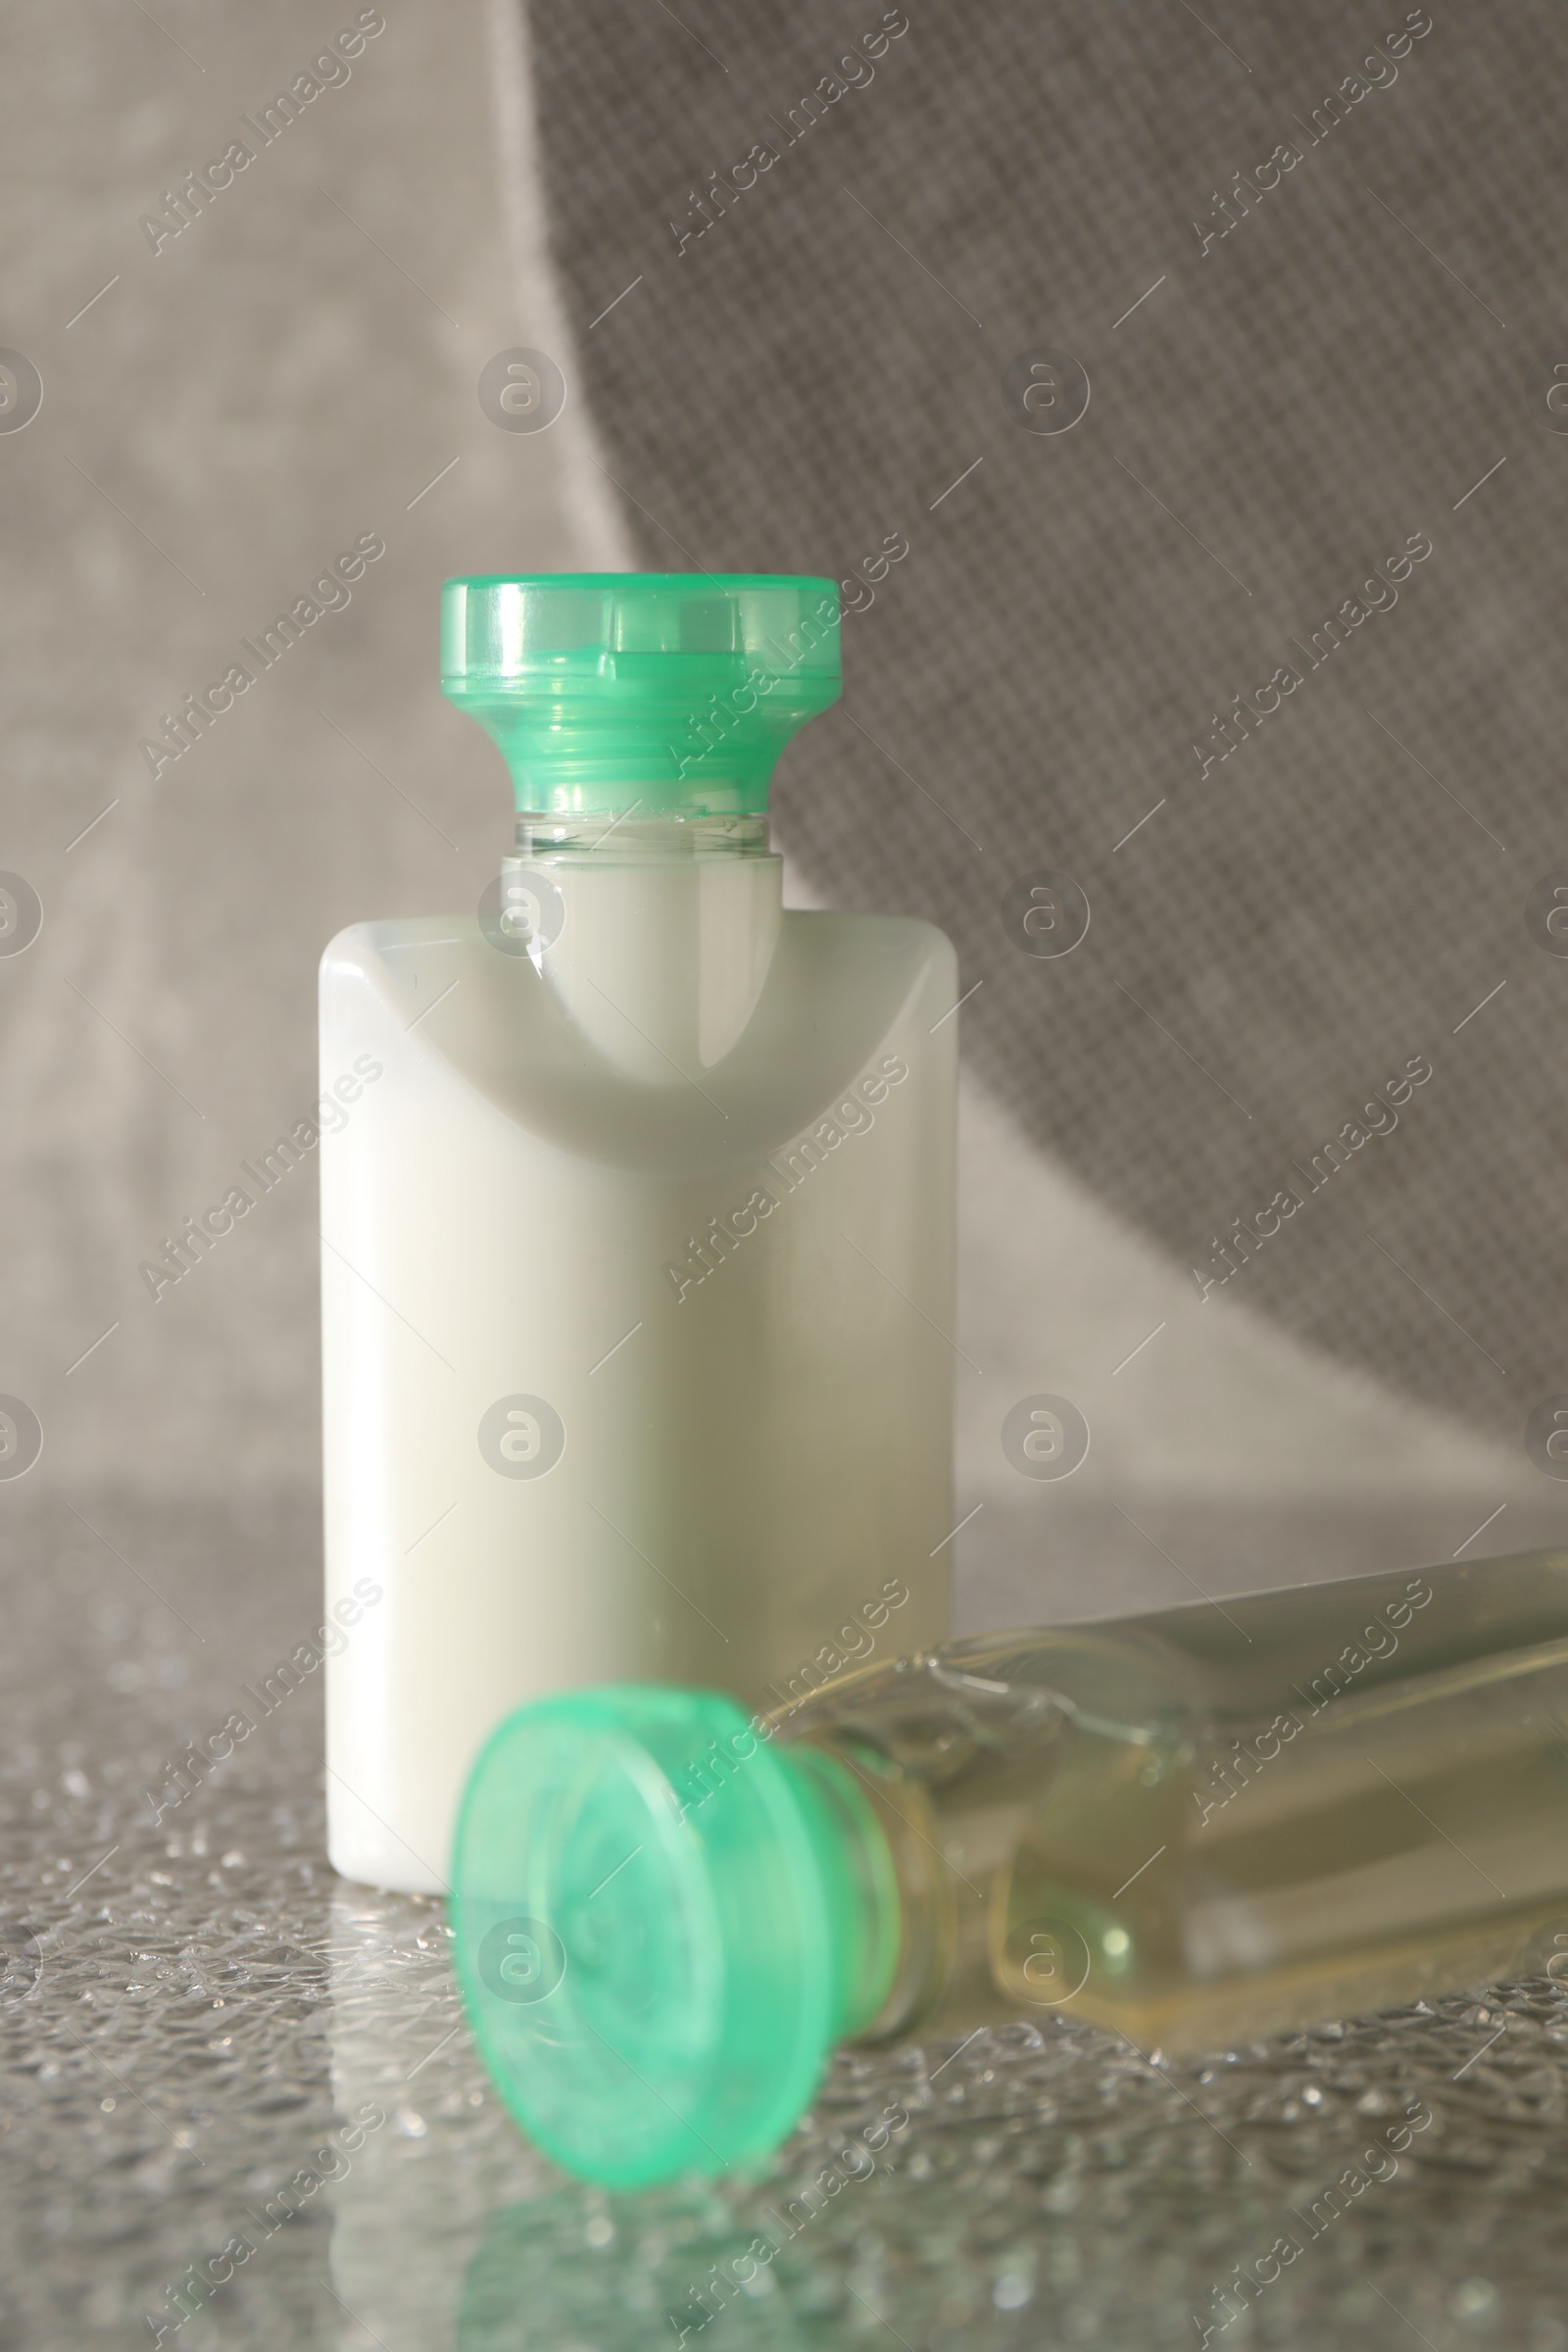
[{"x": 1212, "y": 1823}]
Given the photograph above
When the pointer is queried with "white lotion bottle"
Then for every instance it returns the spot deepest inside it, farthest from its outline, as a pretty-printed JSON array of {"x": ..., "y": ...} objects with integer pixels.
[{"x": 637, "y": 1259}]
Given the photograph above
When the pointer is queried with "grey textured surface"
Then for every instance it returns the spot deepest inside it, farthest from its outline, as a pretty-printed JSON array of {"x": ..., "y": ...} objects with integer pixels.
[
  {"x": 1362, "y": 356},
  {"x": 239, "y": 2102}
]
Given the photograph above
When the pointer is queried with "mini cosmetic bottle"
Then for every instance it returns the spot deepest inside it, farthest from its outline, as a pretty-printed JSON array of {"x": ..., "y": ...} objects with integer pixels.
[
  {"x": 1191, "y": 1828},
  {"x": 638, "y": 1227}
]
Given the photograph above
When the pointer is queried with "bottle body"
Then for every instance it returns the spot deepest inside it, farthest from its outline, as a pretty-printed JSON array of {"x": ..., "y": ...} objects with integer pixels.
[
  {"x": 1211, "y": 1824},
  {"x": 637, "y": 1269}
]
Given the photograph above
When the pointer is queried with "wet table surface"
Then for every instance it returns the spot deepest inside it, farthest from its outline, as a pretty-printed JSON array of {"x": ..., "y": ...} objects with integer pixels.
[{"x": 240, "y": 2105}]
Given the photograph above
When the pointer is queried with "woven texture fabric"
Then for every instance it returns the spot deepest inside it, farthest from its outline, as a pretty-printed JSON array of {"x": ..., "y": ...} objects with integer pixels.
[{"x": 840, "y": 288}]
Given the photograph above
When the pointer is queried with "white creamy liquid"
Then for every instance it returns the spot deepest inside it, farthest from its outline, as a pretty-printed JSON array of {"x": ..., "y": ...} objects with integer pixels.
[{"x": 757, "y": 1456}]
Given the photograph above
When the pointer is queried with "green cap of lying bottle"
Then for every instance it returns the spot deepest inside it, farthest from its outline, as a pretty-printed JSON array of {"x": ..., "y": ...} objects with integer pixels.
[{"x": 664, "y": 1921}]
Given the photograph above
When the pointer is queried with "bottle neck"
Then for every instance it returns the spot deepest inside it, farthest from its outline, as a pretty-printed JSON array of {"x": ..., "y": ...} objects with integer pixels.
[
  {"x": 860, "y": 1874},
  {"x": 640, "y": 836},
  {"x": 898, "y": 1949},
  {"x": 653, "y": 932}
]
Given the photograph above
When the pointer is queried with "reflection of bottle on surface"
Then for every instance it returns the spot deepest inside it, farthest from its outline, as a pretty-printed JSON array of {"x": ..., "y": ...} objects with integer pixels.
[
  {"x": 685, "y": 2271},
  {"x": 637, "y": 1213},
  {"x": 1188, "y": 1826},
  {"x": 410, "y": 2185}
]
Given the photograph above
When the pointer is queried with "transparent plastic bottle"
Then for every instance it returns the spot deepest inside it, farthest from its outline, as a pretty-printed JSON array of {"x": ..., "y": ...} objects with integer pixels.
[
  {"x": 1190, "y": 1828},
  {"x": 637, "y": 1226}
]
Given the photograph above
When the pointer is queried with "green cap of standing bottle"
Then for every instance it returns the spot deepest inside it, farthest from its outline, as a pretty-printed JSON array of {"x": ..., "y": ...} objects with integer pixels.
[
  {"x": 664, "y": 1919},
  {"x": 674, "y": 692}
]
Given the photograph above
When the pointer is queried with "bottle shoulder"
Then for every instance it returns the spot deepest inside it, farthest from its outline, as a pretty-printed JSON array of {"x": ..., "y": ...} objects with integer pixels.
[
  {"x": 905, "y": 940},
  {"x": 366, "y": 945},
  {"x": 843, "y": 993}
]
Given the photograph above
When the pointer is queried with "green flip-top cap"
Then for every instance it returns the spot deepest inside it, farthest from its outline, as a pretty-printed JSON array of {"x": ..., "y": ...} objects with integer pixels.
[
  {"x": 674, "y": 691},
  {"x": 664, "y": 1919}
]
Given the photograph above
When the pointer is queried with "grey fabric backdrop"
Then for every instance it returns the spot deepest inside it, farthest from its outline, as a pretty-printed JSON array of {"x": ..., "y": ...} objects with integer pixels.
[
  {"x": 301, "y": 364},
  {"x": 804, "y": 367},
  {"x": 221, "y": 417}
]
